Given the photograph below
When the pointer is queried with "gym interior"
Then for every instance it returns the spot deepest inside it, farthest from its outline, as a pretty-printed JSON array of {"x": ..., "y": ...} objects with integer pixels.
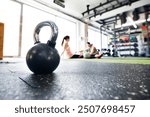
[{"x": 120, "y": 29}]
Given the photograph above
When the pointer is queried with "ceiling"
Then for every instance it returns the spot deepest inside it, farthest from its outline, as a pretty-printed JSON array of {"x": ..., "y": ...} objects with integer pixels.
[
  {"x": 77, "y": 7},
  {"x": 96, "y": 12},
  {"x": 72, "y": 7}
]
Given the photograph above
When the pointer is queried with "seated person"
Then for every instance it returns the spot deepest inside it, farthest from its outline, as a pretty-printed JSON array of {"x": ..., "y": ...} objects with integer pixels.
[
  {"x": 67, "y": 50},
  {"x": 91, "y": 52}
]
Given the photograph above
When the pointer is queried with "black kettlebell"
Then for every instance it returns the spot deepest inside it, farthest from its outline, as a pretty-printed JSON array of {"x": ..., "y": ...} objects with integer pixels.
[{"x": 43, "y": 58}]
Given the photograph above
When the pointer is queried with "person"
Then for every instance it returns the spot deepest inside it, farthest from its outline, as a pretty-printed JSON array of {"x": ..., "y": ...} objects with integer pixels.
[
  {"x": 91, "y": 52},
  {"x": 67, "y": 50}
]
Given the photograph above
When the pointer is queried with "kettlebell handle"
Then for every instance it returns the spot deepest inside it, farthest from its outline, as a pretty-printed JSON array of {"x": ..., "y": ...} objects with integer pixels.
[{"x": 52, "y": 41}]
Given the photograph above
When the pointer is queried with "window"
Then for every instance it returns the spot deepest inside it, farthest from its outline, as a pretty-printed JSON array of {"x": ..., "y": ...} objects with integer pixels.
[
  {"x": 94, "y": 38},
  {"x": 104, "y": 41},
  {"x": 31, "y": 18},
  {"x": 66, "y": 27}
]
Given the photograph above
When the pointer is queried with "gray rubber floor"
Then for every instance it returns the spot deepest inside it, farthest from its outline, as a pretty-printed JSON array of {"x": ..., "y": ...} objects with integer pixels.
[{"x": 75, "y": 80}]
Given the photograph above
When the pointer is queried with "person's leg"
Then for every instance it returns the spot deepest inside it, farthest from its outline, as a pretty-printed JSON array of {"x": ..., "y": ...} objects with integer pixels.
[
  {"x": 77, "y": 56},
  {"x": 96, "y": 55},
  {"x": 99, "y": 55},
  {"x": 92, "y": 56}
]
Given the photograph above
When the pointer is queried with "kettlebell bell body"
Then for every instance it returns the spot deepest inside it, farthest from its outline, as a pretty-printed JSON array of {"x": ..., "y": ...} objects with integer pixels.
[{"x": 43, "y": 58}]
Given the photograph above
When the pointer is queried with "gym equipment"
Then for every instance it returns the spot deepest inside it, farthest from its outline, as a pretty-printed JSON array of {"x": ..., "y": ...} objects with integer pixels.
[
  {"x": 123, "y": 17},
  {"x": 43, "y": 58},
  {"x": 136, "y": 15}
]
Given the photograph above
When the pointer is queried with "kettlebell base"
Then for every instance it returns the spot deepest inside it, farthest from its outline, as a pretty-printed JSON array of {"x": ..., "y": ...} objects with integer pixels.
[{"x": 42, "y": 59}]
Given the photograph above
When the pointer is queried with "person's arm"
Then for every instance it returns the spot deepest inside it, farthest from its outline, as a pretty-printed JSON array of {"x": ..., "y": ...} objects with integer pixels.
[
  {"x": 62, "y": 52},
  {"x": 64, "y": 48},
  {"x": 93, "y": 49}
]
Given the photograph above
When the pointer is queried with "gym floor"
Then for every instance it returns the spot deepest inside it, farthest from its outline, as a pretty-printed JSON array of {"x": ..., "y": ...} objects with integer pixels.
[{"x": 77, "y": 79}]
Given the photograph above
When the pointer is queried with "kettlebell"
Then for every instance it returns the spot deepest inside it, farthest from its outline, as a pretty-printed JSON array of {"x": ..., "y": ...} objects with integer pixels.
[{"x": 43, "y": 58}]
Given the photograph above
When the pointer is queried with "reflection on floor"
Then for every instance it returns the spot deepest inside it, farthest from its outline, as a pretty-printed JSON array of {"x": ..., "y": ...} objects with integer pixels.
[{"x": 75, "y": 79}]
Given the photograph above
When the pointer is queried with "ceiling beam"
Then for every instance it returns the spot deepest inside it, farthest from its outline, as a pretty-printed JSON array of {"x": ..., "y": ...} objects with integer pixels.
[
  {"x": 121, "y": 9},
  {"x": 116, "y": 6},
  {"x": 100, "y": 5}
]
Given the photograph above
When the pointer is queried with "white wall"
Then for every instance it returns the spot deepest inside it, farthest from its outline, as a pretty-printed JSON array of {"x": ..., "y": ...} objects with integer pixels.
[{"x": 10, "y": 16}]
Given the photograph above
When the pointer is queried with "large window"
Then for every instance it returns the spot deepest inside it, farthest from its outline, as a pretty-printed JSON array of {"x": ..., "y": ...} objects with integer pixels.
[
  {"x": 100, "y": 40},
  {"x": 10, "y": 16},
  {"x": 94, "y": 38},
  {"x": 105, "y": 41},
  {"x": 66, "y": 27},
  {"x": 31, "y": 17}
]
